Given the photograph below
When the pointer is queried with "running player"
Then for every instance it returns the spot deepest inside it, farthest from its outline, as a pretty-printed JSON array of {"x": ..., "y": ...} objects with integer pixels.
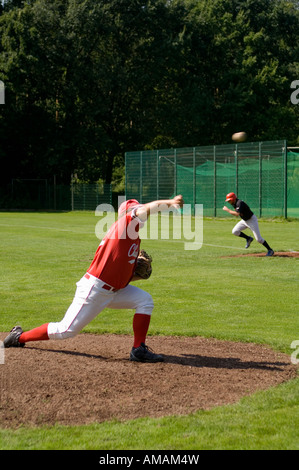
[
  {"x": 249, "y": 220},
  {"x": 106, "y": 284}
]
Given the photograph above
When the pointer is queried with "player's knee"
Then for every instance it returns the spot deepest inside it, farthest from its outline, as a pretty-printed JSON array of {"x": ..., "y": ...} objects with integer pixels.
[
  {"x": 236, "y": 232},
  {"x": 70, "y": 333},
  {"x": 258, "y": 238},
  {"x": 61, "y": 331},
  {"x": 146, "y": 304}
]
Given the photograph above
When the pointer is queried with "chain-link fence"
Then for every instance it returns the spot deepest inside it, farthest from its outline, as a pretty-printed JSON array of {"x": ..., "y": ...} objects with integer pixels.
[
  {"x": 89, "y": 196},
  {"x": 264, "y": 174},
  {"x": 42, "y": 194},
  {"x": 293, "y": 184}
]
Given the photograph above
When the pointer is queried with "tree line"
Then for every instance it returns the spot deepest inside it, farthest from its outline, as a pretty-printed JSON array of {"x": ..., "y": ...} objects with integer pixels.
[{"x": 87, "y": 80}]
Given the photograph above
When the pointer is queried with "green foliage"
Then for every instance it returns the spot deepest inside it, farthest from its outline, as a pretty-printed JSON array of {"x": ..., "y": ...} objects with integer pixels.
[{"x": 88, "y": 80}]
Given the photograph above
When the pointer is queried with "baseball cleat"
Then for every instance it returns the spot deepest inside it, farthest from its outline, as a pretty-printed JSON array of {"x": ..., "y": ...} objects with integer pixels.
[
  {"x": 12, "y": 340},
  {"x": 270, "y": 253},
  {"x": 249, "y": 241},
  {"x": 143, "y": 354}
]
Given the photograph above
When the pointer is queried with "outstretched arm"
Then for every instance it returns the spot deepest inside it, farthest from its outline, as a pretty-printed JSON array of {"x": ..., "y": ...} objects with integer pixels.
[{"x": 153, "y": 207}]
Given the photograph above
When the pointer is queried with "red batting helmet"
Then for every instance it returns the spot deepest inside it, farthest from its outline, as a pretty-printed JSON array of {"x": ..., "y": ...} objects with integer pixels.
[
  {"x": 231, "y": 197},
  {"x": 127, "y": 206}
]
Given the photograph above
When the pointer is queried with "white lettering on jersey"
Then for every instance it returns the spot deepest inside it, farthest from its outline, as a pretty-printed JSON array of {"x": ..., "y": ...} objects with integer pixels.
[{"x": 133, "y": 253}]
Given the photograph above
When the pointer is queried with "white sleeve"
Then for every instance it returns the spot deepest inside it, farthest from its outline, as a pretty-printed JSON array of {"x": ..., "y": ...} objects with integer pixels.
[{"x": 134, "y": 216}]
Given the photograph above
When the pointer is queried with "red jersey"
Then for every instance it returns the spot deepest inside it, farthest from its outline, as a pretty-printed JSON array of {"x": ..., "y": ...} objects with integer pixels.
[{"x": 115, "y": 259}]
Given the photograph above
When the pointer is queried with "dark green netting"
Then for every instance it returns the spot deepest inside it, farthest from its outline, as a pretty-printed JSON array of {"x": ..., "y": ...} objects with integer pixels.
[{"x": 262, "y": 173}]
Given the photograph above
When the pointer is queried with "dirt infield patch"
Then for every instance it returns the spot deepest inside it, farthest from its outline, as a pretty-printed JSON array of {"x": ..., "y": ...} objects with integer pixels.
[
  {"x": 280, "y": 254},
  {"x": 90, "y": 379}
]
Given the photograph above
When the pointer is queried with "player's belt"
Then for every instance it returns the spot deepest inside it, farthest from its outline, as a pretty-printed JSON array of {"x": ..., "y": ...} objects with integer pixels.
[
  {"x": 110, "y": 288},
  {"x": 103, "y": 286}
]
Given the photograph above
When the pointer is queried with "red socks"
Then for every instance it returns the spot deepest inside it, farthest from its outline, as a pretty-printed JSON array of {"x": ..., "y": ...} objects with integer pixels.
[
  {"x": 37, "y": 334},
  {"x": 140, "y": 328}
]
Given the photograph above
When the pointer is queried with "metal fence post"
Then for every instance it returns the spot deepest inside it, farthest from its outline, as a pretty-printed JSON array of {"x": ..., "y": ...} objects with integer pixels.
[
  {"x": 175, "y": 172},
  {"x": 126, "y": 175},
  {"x": 54, "y": 192},
  {"x": 141, "y": 170},
  {"x": 158, "y": 174},
  {"x": 285, "y": 180},
  {"x": 215, "y": 184},
  {"x": 72, "y": 194},
  {"x": 194, "y": 179},
  {"x": 260, "y": 179},
  {"x": 237, "y": 169}
]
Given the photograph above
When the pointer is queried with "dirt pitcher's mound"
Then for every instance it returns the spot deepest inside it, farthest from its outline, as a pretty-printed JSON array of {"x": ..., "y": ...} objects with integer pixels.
[{"x": 89, "y": 378}]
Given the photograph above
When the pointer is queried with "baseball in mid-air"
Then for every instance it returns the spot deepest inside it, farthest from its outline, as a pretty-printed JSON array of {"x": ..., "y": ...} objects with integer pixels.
[{"x": 239, "y": 137}]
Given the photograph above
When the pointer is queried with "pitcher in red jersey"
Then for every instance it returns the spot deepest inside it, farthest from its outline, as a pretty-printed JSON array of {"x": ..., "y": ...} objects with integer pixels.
[{"x": 106, "y": 284}]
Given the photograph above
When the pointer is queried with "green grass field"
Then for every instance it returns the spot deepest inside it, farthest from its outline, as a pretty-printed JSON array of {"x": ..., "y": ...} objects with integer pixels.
[{"x": 202, "y": 292}]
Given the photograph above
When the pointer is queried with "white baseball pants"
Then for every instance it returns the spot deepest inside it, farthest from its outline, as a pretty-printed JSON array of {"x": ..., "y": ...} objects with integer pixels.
[
  {"x": 252, "y": 224},
  {"x": 90, "y": 299}
]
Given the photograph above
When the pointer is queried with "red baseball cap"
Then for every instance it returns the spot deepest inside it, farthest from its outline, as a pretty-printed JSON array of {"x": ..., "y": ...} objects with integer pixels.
[
  {"x": 127, "y": 206},
  {"x": 230, "y": 197}
]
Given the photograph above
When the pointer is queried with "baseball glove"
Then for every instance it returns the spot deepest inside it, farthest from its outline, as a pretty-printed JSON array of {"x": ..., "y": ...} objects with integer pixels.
[{"x": 144, "y": 265}]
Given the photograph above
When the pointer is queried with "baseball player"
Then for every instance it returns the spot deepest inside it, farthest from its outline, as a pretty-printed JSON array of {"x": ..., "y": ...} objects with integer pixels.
[
  {"x": 249, "y": 220},
  {"x": 106, "y": 284}
]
